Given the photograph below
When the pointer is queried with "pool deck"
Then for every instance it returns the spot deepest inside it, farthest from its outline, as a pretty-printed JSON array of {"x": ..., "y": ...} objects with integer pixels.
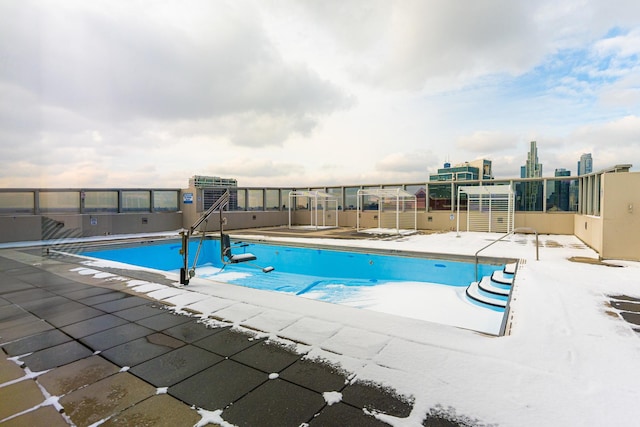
[{"x": 81, "y": 345}]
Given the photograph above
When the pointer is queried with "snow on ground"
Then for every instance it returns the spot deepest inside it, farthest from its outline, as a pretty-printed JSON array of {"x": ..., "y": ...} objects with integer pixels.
[{"x": 566, "y": 360}]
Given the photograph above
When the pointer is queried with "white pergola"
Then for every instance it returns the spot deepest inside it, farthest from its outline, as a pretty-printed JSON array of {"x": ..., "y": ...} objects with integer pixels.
[
  {"x": 317, "y": 200},
  {"x": 490, "y": 208},
  {"x": 397, "y": 210}
]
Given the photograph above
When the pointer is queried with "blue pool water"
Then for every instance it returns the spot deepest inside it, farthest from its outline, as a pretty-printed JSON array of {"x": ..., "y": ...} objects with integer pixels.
[{"x": 298, "y": 269}]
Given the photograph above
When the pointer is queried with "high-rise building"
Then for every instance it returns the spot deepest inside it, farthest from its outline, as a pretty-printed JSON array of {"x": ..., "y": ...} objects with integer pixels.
[
  {"x": 476, "y": 170},
  {"x": 559, "y": 199},
  {"x": 530, "y": 193},
  {"x": 585, "y": 164}
]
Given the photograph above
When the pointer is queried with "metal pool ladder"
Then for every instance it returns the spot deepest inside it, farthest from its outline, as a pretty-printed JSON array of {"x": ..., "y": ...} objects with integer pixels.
[{"x": 506, "y": 235}]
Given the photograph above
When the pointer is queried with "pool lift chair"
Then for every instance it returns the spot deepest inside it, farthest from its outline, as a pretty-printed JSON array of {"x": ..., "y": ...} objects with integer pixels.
[{"x": 226, "y": 255}]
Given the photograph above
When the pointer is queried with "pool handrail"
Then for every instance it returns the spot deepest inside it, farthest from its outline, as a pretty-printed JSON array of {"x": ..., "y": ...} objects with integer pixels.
[
  {"x": 218, "y": 205},
  {"x": 508, "y": 234}
]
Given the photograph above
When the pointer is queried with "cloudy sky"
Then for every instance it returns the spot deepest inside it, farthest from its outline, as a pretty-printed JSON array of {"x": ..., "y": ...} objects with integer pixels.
[{"x": 311, "y": 93}]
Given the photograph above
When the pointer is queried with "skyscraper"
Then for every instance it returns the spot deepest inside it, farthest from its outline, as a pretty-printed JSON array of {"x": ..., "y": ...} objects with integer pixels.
[
  {"x": 530, "y": 193},
  {"x": 585, "y": 164},
  {"x": 561, "y": 191}
]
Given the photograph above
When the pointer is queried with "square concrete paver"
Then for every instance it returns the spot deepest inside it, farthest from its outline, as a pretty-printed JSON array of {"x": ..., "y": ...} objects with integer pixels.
[
  {"x": 158, "y": 411},
  {"x": 315, "y": 375},
  {"x": 107, "y": 397},
  {"x": 65, "y": 379},
  {"x": 43, "y": 416},
  {"x": 164, "y": 320},
  {"x": 57, "y": 355},
  {"x": 121, "y": 304},
  {"x": 19, "y": 397},
  {"x": 175, "y": 366},
  {"x": 115, "y": 336},
  {"x": 36, "y": 342},
  {"x": 21, "y": 328},
  {"x": 268, "y": 357},
  {"x": 227, "y": 343},
  {"x": 93, "y": 325},
  {"x": 9, "y": 371},
  {"x": 10, "y": 312},
  {"x": 191, "y": 331},
  {"x": 99, "y": 299},
  {"x": 139, "y": 312},
  {"x": 275, "y": 403},
  {"x": 218, "y": 386},
  {"x": 340, "y": 414},
  {"x": 137, "y": 351},
  {"x": 372, "y": 397},
  {"x": 75, "y": 316}
]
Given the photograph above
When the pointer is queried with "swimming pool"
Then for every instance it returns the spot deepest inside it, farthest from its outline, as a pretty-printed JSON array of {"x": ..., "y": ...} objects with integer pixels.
[{"x": 397, "y": 283}]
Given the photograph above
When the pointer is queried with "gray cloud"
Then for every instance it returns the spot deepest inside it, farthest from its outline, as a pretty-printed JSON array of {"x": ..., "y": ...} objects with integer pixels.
[{"x": 119, "y": 63}]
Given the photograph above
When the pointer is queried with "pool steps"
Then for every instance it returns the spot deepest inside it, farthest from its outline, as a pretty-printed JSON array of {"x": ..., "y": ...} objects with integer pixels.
[{"x": 493, "y": 290}]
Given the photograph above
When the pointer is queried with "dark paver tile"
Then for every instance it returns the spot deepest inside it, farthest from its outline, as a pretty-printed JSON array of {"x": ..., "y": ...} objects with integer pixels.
[
  {"x": 218, "y": 386},
  {"x": 625, "y": 298},
  {"x": 45, "y": 415},
  {"x": 158, "y": 411},
  {"x": 43, "y": 278},
  {"x": 27, "y": 295},
  {"x": 107, "y": 397},
  {"x": 121, "y": 304},
  {"x": 10, "y": 312},
  {"x": 164, "y": 320},
  {"x": 99, "y": 299},
  {"x": 57, "y": 355},
  {"x": 115, "y": 336},
  {"x": 9, "y": 285},
  {"x": 54, "y": 307},
  {"x": 139, "y": 312},
  {"x": 48, "y": 304},
  {"x": 227, "y": 342},
  {"x": 315, "y": 375},
  {"x": 626, "y": 306},
  {"x": 340, "y": 414},
  {"x": 175, "y": 366},
  {"x": 64, "y": 379},
  {"x": 36, "y": 342},
  {"x": 75, "y": 316},
  {"x": 19, "y": 397},
  {"x": 374, "y": 397},
  {"x": 19, "y": 319},
  {"x": 137, "y": 351},
  {"x": 275, "y": 403},
  {"x": 21, "y": 328},
  {"x": 268, "y": 357},
  {"x": 85, "y": 292},
  {"x": 93, "y": 325},
  {"x": 633, "y": 318},
  {"x": 66, "y": 288},
  {"x": 192, "y": 331}
]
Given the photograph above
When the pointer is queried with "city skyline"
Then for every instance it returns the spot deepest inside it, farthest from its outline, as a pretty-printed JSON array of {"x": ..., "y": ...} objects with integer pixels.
[{"x": 281, "y": 93}]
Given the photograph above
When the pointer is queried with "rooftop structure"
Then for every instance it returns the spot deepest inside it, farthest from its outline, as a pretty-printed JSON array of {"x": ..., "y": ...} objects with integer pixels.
[
  {"x": 476, "y": 170},
  {"x": 585, "y": 164}
]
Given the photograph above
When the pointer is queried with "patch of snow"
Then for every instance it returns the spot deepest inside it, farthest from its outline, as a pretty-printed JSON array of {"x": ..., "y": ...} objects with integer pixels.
[
  {"x": 125, "y": 368},
  {"x": 273, "y": 376},
  {"x": 212, "y": 417},
  {"x": 332, "y": 397},
  {"x": 162, "y": 390}
]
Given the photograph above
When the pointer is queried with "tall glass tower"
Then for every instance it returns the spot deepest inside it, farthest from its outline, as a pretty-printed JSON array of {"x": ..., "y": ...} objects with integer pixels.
[
  {"x": 531, "y": 192},
  {"x": 585, "y": 164}
]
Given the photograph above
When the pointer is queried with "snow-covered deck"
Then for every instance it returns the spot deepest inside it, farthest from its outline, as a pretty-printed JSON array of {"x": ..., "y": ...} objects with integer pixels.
[{"x": 569, "y": 358}]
